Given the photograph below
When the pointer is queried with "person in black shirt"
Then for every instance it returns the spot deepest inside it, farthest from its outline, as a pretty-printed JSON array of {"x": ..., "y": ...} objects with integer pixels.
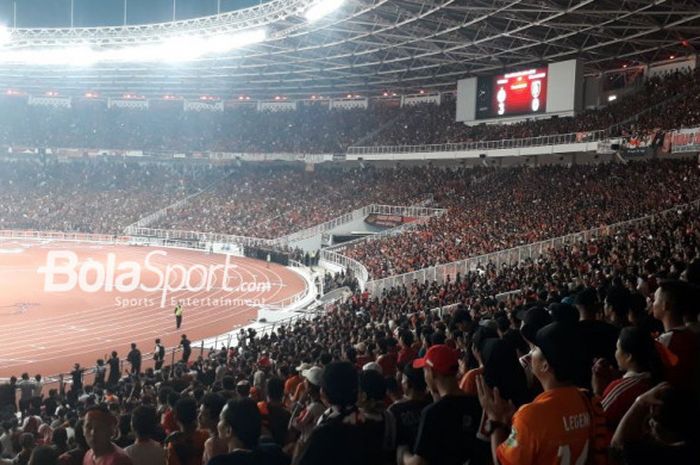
[
  {"x": 134, "y": 358},
  {"x": 339, "y": 439},
  {"x": 114, "y": 370},
  {"x": 599, "y": 338},
  {"x": 159, "y": 355},
  {"x": 8, "y": 398},
  {"x": 186, "y": 348},
  {"x": 448, "y": 427},
  {"x": 77, "y": 378},
  {"x": 407, "y": 411},
  {"x": 239, "y": 425}
]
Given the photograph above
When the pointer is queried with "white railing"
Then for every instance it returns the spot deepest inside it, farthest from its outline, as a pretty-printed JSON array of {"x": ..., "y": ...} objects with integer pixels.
[
  {"x": 62, "y": 236},
  {"x": 323, "y": 227},
  {"x": 440, "y": 273},
  {"x": 414, "y": 211},
  {"x": 554, "y": 139},
  {"x": 357, "y": 268},
  {"x": 401, "y": 229},
  {"x": 181, "y": 235},
  {"x": 417, "y": 210}
]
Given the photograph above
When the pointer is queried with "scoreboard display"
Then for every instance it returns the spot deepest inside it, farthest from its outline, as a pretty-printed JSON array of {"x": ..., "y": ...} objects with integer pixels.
[{"x": 512, "y": 94}]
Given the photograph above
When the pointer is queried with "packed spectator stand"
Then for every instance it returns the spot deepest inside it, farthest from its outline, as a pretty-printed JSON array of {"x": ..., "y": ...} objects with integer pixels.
[
  {"x": 542, "y": 203},
  {"x": 624, "y": 289},
  {"x": 587, "y": 354},
  {"x": 315, "y": 128}
]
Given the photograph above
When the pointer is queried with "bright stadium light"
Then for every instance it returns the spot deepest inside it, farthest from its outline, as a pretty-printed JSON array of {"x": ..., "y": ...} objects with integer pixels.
[
  {"x": 175, "y": 49},
  {"x": 321, "y": 9}
]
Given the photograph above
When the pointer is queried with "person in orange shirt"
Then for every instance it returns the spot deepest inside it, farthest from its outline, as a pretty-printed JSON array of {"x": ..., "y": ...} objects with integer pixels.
[
  {"x": 563, "y": 425},
  {"x": 292, "y": 382}
]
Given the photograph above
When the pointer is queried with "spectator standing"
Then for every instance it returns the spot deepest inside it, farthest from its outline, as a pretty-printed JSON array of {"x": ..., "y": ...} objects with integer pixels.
[
  {"x": 26, "y": 388},
  {"x": 114, "y": 369},
  {"x": 158, "y": 355},
  {"x": 100, "y": 425},
  {"x": 186, "y": 349},
  {"x": 134, "y": 358},
  {"x": 448, "y": 427},
  {"x": 186, "y": 446},
  {"x": 407, "y": 411},
  {"x": 209, "y": 411},
  {"x": 145, "y": 451},
  {"x": 563, "y": 421}
]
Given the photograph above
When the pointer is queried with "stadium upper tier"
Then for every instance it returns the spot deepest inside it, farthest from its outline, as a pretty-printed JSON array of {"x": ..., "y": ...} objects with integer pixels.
[
  {"x": 311, "y": 126},
  {"x": 301, "y": 47}
]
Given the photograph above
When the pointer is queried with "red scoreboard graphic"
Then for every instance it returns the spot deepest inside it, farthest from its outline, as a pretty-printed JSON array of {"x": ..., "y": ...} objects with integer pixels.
[{"x": 519, "y": 93}]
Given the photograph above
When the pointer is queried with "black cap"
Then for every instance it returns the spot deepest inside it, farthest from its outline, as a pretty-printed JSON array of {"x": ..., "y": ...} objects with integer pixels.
[
  {"x": 533, "y": 319},
  {"x": 560, "y": 344}
]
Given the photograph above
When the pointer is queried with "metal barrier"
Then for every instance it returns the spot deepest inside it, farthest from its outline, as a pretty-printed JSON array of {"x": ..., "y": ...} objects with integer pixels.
[
  {"x": 511, "y": 256},
  {"x": 386, "y": 233},
  {"x": 357, "y": 268},
  {"x": 416, "y": 210},
  {"x": 554, "y": 139},
  {"x": 61, "y": 236},
  {"x": 175, "y": 235}
]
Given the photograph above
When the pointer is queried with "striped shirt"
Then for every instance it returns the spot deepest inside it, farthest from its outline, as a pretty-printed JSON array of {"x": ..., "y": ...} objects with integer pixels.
[{"x": 620, "y": 394}]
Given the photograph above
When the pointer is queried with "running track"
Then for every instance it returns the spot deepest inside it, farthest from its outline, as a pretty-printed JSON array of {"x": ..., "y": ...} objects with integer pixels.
[{"x": 44, "y": 332}]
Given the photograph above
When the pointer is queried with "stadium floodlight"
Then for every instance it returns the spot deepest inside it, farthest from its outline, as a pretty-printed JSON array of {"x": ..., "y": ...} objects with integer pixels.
[
  {"x": 322, "y": 9},
  {"x": 185, "y": 48},
  {"x": 171, "y": 50}
]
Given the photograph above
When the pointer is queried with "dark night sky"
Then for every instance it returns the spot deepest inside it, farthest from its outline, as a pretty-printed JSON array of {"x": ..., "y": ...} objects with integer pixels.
[{"x": 56, "y": 13}]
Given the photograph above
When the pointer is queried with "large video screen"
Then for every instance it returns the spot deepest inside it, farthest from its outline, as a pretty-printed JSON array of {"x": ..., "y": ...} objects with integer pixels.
[{"x": 512, "y": 94}]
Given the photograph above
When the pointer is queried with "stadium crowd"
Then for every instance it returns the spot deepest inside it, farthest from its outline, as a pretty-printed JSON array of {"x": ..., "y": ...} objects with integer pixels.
[
  {"x": 593, "y": 358},
  {"x": 273, "y": 201},
  {"x": 492, "y": 210},
  {"x": 589, "y": 353},
  {"x": 92, "y": 196},
  {"x": 428, "y": 124},
  {"x": 315, "y": 128}
]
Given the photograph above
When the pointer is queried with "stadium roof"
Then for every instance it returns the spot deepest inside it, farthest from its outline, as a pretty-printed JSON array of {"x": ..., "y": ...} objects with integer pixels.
[{"x": 366, "y": 46}]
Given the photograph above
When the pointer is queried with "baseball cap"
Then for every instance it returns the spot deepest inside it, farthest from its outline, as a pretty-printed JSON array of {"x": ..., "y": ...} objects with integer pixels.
[
  {"x": 441, "y": 358},
  {"x": 533, "y": 319},
  {"x": 372, "y": 366},
  {"x": 313, "y": 374},
  {"x": 560, "y": 344},
  {"x": 264, "y": 361}
]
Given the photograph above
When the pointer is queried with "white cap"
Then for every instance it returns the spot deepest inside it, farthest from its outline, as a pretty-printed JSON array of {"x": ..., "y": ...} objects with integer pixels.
[
  {"x": 372, "y": 366},
  {"x": 313, "y": 374}
]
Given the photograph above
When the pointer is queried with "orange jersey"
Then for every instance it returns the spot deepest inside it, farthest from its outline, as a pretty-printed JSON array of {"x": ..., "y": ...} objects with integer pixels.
[{"x": 560, "y": 427}]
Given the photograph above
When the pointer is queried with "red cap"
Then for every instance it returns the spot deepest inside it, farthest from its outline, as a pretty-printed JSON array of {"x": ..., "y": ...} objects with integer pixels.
[
  {"x": 264, "y": 361},
  {"x": 441, "y": 358}
]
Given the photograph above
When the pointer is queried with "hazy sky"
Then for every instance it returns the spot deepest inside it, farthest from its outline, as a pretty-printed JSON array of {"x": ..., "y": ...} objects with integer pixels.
[{"x": 56, "y": 13}]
